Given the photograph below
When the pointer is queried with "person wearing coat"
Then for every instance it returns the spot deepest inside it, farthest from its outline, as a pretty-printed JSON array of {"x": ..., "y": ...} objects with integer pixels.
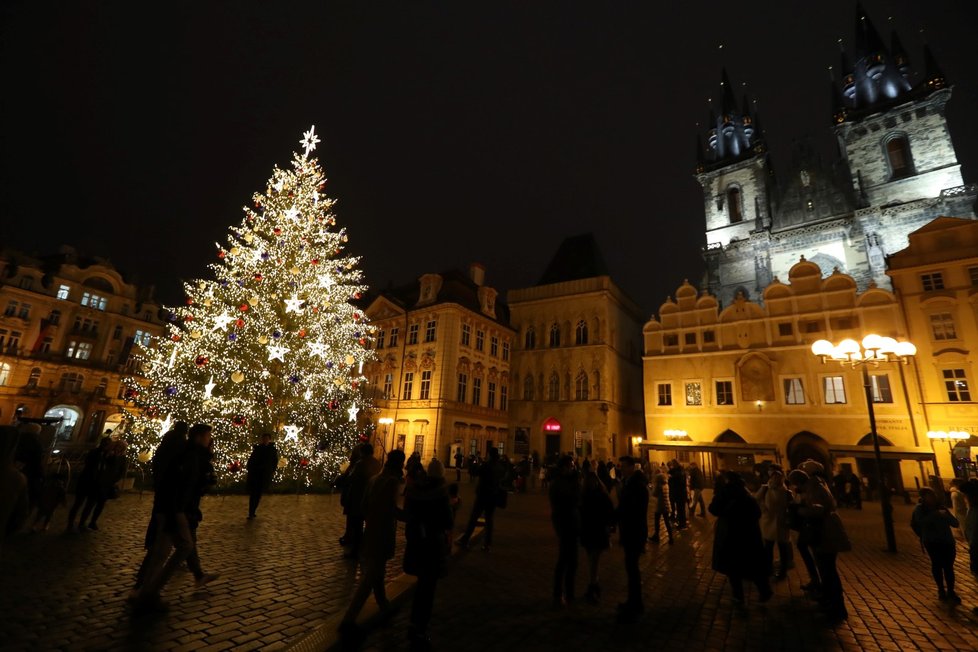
[
  {"x": 597, "y": 517},
  {"x": 633, "y": 531},
  {"x": 429, "y": 519},
  {"x": 87, "y": 486},
  {"x": 932, "y": 522},
  {"x": 959, "y": 504},
  {"x": 261, "y": 467},
  {"x": 738, "y": 551},
  {"x": 678, "y": 496},
  {"x": 663, "y": 506},
  {"x": 773, "y": 499},
  {"x": 565, "y": 514},
  {"x": 381, "y": 514},
  {"x": 13, "y": 486},
  {"x": 363, "y": 472}
]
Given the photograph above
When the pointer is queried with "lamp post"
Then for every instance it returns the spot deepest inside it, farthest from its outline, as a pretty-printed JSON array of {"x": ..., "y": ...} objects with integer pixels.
[
  {"x": 873, "y": 350},
  {"x": 386, "y": 422},
  {"x": 950, "y": 438}
]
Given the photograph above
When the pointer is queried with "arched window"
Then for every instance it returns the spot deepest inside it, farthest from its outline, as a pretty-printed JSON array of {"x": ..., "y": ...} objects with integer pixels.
[
  {"x": 581, "y": 387},
  {"x": 530, "y": 339},
  {"x": 4, "y": 373},
  {"x": 553, "y": 391},
  {"x": 555, "y": 335},
  {"x": 35, "y": 378},
  {"x": 898, "y": 156},
  {"x": 734, "y": 206},
  {"x": 581, "y": 337},
  {"x": 528, "y": 388}
]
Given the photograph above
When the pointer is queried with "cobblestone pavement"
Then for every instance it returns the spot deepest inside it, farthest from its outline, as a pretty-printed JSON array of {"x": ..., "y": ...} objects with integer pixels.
[{"x": 283, "y": 576}]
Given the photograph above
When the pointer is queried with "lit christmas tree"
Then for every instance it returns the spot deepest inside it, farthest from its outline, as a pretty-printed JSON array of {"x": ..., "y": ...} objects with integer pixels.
[{"x": 271, "y": 343}]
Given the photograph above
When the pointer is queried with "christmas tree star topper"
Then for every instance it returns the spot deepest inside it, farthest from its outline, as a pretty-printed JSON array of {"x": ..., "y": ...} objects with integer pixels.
[{"x": 309, "y": 141}]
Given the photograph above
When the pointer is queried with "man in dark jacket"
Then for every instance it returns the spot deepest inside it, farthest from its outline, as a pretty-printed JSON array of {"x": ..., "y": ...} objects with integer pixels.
[
  {"x": 486, "y": 495},
  {"x": 696, "y": 484},
  {"x": 677, "y": 492},
  {"x": 179, "y": 491},
  {"x": 261, "y": 468},
  {"x": 363, "y": 471},
  {"x": 633, "y": 525},
  {"x": 565, "y": 513}
]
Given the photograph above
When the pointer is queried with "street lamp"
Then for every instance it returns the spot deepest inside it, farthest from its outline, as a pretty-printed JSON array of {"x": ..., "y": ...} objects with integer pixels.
[
  {"x": 873, "y": 350},
  {"x": 386, "y": 422},
  {"x": 675, "y": 434},
  {"x": 950, "y": 438}
]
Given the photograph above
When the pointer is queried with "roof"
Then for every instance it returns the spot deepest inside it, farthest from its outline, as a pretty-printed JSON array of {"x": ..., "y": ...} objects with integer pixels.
[{"x": 578, "y": 257}]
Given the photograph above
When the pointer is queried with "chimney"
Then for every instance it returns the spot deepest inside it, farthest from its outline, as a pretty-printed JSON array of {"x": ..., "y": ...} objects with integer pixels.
[{"x": 477, "y": 272}]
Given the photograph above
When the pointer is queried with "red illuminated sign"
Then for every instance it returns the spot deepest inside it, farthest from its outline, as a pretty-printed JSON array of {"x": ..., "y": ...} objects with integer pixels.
[{"x": 551, "y": 425}]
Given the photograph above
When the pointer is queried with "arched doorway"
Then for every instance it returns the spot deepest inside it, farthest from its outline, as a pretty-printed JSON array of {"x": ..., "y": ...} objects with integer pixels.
[
  {"x": 741, "y": 462},
  {"x": 809, "y": 446},
  {"x": 116, "y": 423},
  {"x": 70, "y": 416},
  {"x": 551, "y": 433},
  {"x": 890, "y": 468}
]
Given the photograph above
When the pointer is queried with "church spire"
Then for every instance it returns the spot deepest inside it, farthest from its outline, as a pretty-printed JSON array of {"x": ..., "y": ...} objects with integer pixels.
[
  {"x": 868, "y": 41},
  {"x": 933, "y": 74},
  {"x": 729, "y": 105},
  {"x": 732, "y": 133}
]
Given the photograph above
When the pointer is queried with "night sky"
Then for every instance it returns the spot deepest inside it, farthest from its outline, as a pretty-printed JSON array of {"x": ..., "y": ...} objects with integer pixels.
[{"x": 454, "y": 131}]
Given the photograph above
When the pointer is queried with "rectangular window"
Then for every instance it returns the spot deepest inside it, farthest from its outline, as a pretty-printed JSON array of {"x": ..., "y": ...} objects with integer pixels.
[
  {"x": 117, "y": 333},
  {"x": 794, "y": 391},
  {"x": 973, "y": 276},
  {"x": 466, "y": 334},
  {"x": 476, "y": 391},
  {"x": 881, "y": 388},
  {"x": 419, "y": 444},
  {"x": 724, "y": 389},
  {"x": 480, "y": 340},
  {"x": 709, "y": 337},
  {"x": 11, "y": 309},
  {"x": 491, "y": 395},
  {"x": 463, "y": 383},
  {"x": 142, "y": 338},
  {"x": 942, "y": 326},
  {"x": 506, "y": 351},
  {"x": 413, "y": 334},
  {"x": 63, "y": 291},
  {"x": 25, "y": 311},
  {"x": 503, "y": 397},
  {"x": 93, "y": 301},
  {"x": 671, "y": 339},
  {"x": 835, "y": 390},
  {"x": 425, "y": 385},
  {"x": 932, "y": 281},
  {"x": 392, "y": 340},
  {"x": 689, "y": 338},
  {"x": 84, "y": 351},
  {"x": 956, "y": 384},
  {"x": 47, "y": 343},
  {"x": 694, "y": 394},
  {"x": 3, "y": 337},
  {"x": 664, "y": 391},
  {"x": 381, "y": 336},
  {"x": 27, "y": 282},
  {"x": 388, "y": 385},
  {"x": 494, "y": 346},
  {"x": 408, "y": 385},
  {"x": 813, "y": 327},
  {"x": 429, "y": 331},
  {"x": 55, "y": 317},
  {"x": 786, "y": 329}
]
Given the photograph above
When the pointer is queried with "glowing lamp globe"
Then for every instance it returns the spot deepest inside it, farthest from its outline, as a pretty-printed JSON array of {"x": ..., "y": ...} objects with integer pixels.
[
  {"x": 905, "y": 349},
  {"x": 848, "y": 347},
  {"x": 822, "y": 348},
  {"x": 887, "y": 345},
  {"x": 872, "y": 342}
]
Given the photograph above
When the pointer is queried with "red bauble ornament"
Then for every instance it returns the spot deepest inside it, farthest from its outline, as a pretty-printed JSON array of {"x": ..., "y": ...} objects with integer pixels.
[
  {"x": 238, "y": 420},
  {"x": 259, "y": 277},
  {"x": 175, "y": 338},
  {"x": 152, "y": 412},
  {"x": 302, "y": 332},
  {"x": 363, "y": 342},
  {"x": 188, "y": 317},
  {"x": 357, "y": 295},
  {"x": 269, "y": 401},
  {"x": 314, "y": 261},
  {"x": 303, "y": 462},
  {"x": 239, "y": 323},
  {"x": 277, "y": 231},
  {"x": 234, "y": 466},
  {"x": 190, "y": 301},
  {"x": 333, "y": 405},
  {"x": 243, "y": 307},
  {"x": 355, "y": 384},
  {"x": 201, "y": 360},
  {"x": 131, "y": 394},
  {"x": 220, "y": 254}
]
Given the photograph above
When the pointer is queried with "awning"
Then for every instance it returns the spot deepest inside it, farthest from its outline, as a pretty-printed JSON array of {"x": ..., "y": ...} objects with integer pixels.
[
  {"x": 709, "y": 446},
  {"x": 886, "y": 452}
]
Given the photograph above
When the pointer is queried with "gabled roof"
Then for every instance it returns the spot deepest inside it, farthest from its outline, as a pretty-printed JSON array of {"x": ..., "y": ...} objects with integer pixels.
[{"x": 578, "y": 257}]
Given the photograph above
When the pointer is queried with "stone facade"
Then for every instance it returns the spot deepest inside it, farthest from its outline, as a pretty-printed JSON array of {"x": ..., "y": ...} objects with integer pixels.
[{"x": 67, "y": 331}]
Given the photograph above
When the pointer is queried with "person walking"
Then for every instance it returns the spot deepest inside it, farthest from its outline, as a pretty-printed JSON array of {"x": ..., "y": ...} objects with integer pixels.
[
  {"x": 818, "y": 510},
  {"x": 663, "y": 506},
  {"x": 932, "y": 523},
  {"x": 633, "y": 528},
  {"x": 797, "y": 479},
  {"x": 678, "y": 496},
  {"x": 87, "y": 486},
  {"x": 14, "y": 502},
  {"x": 429, "y": 520},
  {"x": 738, "y": 551},
  {"x": 363, "y": 472},
  {"x": 696, "y": 484},
  {"x": 597, "y": 517},
  {"x": 773, "y": 499},
  {"x": 381, "y": 514},
  {"x": 565, "y": 514},
  {"x": 261, "y": 467},
  {"x": 111, "y": 470},
  {"x": 486, "y": 497},
  {"x": 459, "y": 461}
]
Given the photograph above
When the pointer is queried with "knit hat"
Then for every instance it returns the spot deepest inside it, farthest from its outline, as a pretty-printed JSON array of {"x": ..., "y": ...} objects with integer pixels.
[{"x": 798, "y": 477}]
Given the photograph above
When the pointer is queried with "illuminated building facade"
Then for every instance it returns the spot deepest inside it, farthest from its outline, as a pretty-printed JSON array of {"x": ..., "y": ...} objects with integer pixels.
[
  {"x": 67, "y": 330},
  {"x": 441, "y": 380}
]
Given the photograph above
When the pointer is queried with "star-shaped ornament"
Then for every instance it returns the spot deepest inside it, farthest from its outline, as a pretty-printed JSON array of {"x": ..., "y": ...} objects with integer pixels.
[
  {"x": 277, "y": 353},
  {"x": 353, "y": 412},
  {"x": 221, "y": 322},
  {"x": 317, "y": 348},
  {"x": 292, "y": 213},
  {"x": 166, "y": 423},
  {"x": 291, "y": 432},
  {"x": 326, "y": 281},
  {"x": 309, "y": 140},
  {"x": 294, "y": 304},
  {"x": 209, "y": 387}
]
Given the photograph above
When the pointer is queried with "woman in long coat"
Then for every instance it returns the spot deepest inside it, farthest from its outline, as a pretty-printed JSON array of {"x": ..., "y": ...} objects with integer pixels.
[
  {"x": 738, "y": 551},
  {"x": 774, "y": 498},
  {"x": 597, "y": 517}
]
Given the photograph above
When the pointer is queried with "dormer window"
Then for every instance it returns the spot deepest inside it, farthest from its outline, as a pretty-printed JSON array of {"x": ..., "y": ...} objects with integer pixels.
[
  {"x": 734, "y": 208},
  {"x": 898, "y": 156}
]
